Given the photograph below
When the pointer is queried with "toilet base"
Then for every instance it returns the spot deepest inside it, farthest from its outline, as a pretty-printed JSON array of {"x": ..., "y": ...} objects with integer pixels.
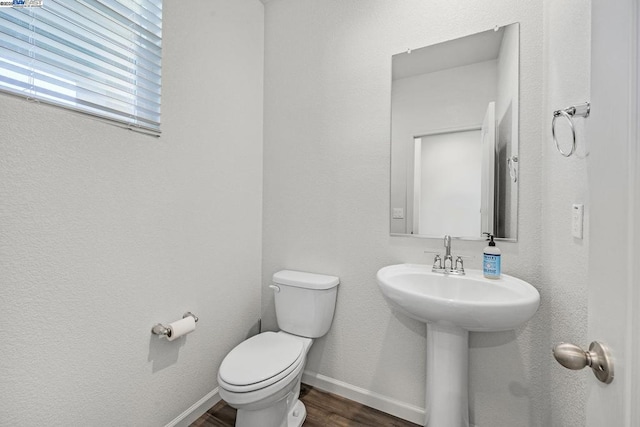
[
  {"x": 273, "y": 416},
  {"x": 286, "y": 411},
  {"x": 297, "y": 415}
]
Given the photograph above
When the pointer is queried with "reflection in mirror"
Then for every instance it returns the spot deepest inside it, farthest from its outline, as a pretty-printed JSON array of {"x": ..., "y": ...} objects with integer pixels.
[{"x": 454, "y": 137}]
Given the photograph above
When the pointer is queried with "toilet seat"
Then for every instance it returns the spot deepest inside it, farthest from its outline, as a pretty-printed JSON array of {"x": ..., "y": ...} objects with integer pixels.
[{"x": 260, "y": 361}]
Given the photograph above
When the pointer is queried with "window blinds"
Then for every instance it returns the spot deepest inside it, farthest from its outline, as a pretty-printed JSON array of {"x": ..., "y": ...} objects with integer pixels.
[{"x": 101, "y": 57}]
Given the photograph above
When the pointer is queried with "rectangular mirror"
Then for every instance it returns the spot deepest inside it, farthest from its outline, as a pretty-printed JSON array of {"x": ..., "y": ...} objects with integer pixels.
[{"x": 454, "y": 137}]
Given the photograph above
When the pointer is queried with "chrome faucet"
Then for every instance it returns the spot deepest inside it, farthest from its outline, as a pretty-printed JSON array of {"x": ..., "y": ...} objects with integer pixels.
[
  {"x": 448, "y": 261},
  {"x": 448, "y": 267}
]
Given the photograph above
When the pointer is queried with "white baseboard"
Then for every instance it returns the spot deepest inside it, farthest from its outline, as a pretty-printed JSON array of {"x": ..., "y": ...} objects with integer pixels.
[
  {"x": 196, "y": 410},
  {"x": 386, "y": 404},
  {"x": 377, "y": 401}
]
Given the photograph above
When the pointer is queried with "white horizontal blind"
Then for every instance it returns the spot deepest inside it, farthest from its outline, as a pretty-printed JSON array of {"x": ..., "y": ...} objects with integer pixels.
[{"x": 101, "y": 57}]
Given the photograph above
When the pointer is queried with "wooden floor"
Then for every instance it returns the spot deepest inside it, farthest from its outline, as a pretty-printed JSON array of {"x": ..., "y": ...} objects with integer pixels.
[{"x": 323, "y": 410}]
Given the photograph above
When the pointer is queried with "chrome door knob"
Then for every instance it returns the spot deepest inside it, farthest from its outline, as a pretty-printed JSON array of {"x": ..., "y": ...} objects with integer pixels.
[
  {"x": 597, "y": 358},
  {"x": 571, "y": 356}
]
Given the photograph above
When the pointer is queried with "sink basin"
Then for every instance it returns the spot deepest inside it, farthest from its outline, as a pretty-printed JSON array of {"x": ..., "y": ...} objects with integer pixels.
[
  {"x": 451, "y": 306},
  {"x": 471, "y": 302}
]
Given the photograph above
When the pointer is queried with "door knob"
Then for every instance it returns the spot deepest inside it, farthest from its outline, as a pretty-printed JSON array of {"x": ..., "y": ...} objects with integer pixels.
[{"x": 597, "y": 358}]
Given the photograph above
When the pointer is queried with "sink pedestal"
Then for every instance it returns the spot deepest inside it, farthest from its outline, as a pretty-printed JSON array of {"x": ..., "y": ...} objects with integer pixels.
[
  {"x": 451, "y": 306},
  {"x": 447, "y": 397}
]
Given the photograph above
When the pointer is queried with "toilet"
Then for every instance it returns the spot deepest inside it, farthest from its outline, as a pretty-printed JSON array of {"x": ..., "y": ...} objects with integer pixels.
[{"x": 261, "y": 376}]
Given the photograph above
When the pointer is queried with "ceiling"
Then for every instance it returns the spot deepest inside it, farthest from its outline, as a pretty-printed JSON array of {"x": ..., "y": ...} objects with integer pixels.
[{"x": 468, "y": 50}]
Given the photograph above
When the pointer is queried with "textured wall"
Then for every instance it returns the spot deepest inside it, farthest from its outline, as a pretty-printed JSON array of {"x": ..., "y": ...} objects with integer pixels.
[
  {"x": 104, "y": 232},
  {"x": 564, "y": 258},
  {"x": 326, "y": 192}
]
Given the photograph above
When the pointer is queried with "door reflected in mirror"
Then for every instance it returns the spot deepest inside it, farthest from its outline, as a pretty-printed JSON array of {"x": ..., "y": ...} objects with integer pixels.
[{"x": 454, "y": 138}]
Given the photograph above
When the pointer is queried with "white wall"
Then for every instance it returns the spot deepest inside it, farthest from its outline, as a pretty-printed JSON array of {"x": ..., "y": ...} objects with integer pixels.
[
  {"x": 326, "y": 191},
  {"x": 105, "y": 232},
  {"x": 564, "y": 258}
]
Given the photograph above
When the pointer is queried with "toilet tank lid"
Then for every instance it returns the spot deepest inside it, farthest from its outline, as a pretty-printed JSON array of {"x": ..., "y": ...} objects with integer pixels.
[{"x": 301, "y": 279}]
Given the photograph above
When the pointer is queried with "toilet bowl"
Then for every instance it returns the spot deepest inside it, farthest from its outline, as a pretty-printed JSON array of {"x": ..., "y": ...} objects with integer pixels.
[{"x": 261, "y": 376}]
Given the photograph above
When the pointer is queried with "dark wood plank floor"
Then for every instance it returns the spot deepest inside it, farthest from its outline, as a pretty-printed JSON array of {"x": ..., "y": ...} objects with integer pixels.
[{"x": 323, "y": 410}]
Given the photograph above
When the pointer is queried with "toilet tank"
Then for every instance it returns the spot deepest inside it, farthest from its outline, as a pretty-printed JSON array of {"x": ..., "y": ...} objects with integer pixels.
[{"x": 305, "y": 302}]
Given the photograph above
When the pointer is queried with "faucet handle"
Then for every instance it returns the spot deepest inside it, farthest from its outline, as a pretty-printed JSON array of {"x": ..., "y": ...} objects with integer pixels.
[
  {"x": 437, "y": 263},
  {"x": 459, "y": 266}
]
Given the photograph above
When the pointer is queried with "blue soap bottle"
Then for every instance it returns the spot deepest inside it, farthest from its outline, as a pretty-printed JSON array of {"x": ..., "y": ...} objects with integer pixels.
[{"x": 491, "y": 260}]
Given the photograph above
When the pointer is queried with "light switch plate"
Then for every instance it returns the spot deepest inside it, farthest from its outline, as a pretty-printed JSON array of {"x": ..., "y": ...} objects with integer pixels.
[
  {"x": 398, "y": 213},
  {"x": 577, "y": 220}
]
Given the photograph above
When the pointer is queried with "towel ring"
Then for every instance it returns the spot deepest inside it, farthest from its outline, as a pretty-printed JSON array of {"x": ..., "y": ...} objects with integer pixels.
[
  {"x": 580, "y": 110},
  {"x": 562, "y": 113}
]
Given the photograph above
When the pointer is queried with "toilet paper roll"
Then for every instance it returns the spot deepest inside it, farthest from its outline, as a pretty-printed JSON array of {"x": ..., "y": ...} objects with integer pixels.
[{"x": 181, "y": 327}]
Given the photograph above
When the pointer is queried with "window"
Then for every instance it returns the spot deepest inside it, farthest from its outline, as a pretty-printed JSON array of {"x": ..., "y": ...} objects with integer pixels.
[{"x": 100, "y": 57}]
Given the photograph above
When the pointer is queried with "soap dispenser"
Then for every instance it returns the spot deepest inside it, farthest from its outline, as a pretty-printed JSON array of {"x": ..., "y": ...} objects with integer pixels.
[{"x": 491, "y": 265}]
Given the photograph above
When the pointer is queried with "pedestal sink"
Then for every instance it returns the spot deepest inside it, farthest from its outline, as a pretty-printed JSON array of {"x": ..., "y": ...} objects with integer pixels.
[{"x": 451, "y": 306}]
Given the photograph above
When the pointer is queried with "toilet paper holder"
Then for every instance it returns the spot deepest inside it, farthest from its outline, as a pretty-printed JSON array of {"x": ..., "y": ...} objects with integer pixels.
[{"x": 160, "y": 329}]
